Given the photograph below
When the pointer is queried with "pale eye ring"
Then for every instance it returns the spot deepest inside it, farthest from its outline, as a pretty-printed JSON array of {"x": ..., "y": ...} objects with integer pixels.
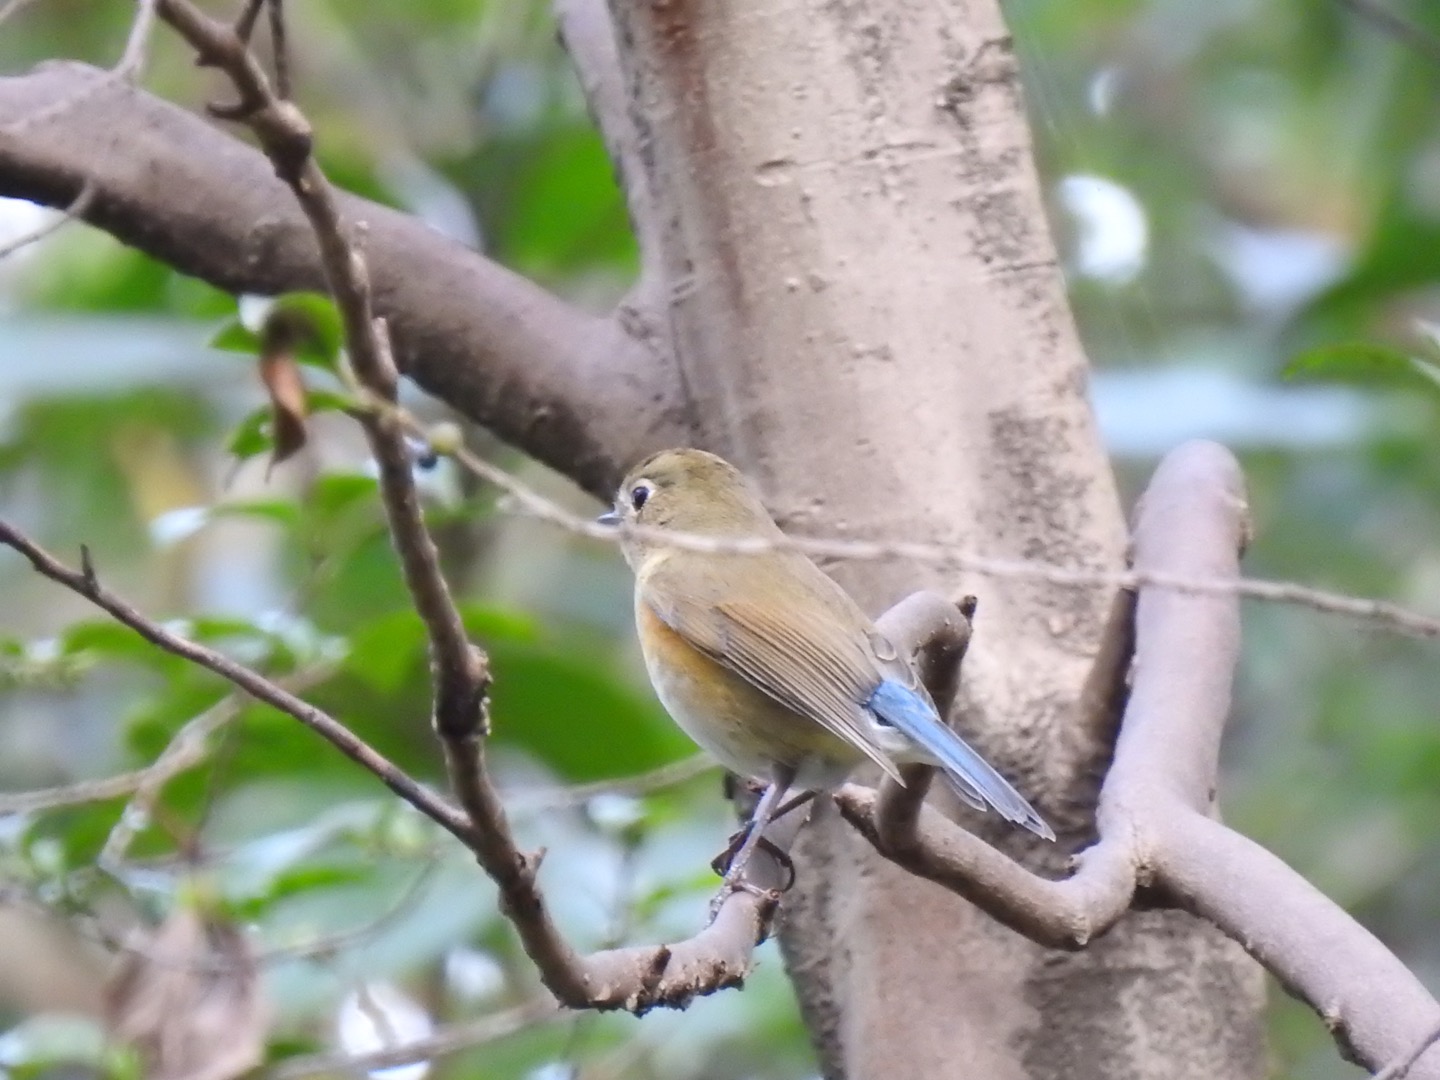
[{"x": 639, "y": 494}]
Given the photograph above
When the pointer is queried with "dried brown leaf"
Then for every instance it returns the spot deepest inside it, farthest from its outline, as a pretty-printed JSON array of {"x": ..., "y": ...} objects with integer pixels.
[{"x": 186, "y": 997}]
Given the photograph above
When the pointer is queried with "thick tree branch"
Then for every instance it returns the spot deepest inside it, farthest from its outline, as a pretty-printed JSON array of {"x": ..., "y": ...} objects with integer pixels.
[
  {"x": 1192, "y": 521},
  {"x": 1372, "y": 1004},
  {"x": 576, "y": 391}
]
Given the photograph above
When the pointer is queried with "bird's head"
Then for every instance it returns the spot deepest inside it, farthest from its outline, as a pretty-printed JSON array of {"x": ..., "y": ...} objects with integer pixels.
[{"x": 686, "y": 491}]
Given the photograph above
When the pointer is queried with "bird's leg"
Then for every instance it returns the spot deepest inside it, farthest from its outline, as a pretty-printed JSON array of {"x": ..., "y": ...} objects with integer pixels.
[
  {"x": 754, "y": 835},
  {"x": 721, "y": 863},
  {"x": 793, "y": 804}
]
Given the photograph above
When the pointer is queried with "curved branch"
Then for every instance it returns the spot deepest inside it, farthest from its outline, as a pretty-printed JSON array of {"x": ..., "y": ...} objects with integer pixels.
[
  {"x": 579, "y": 392},
  {"x": 1193, "y": 521},
  {"x": 1062, "y": 914},
  {"x": 1155, "y": 815}
]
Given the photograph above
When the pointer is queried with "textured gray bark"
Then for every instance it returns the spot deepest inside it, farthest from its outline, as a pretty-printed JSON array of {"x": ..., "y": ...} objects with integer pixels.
[{"x": 867, "y": 314}]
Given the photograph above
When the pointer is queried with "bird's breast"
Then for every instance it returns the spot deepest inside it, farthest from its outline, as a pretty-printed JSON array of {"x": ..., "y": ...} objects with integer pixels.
[{"x": 746, "y": 729}]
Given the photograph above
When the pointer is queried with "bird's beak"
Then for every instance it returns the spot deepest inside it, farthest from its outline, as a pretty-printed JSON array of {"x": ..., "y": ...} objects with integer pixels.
[{"x": 610, "y": 517}]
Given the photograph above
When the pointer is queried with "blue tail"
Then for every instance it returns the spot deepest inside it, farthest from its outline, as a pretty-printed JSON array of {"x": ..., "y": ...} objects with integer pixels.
[{"x": 972, "y": 776}]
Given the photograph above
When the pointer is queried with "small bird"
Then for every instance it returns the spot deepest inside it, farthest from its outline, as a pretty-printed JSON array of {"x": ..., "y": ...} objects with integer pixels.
[{"x": 765, "y": 661}]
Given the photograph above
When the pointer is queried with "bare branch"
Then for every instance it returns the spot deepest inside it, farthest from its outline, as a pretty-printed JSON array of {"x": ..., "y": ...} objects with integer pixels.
[
  {"x": 1061, "y": 914},
  {"x": 13, "y": 6},
  {"x": 1396, "y": 26},
  {"x": 635, "y": 978},
  {"x": 934, "y": 633},
  {"x": 1372, "y": 1004},
  {"x": 675, "y": 772},
  {"x": 1192, "y": 521},
  {"x": 460, "y": 671},
  {"x": 88, "y": 791},
  {"x": 1156, "y": 806},
  {"x": 187, "y": 748},
  {"x": 132, "y": 61},
  {"x": 252, "y": 682}
]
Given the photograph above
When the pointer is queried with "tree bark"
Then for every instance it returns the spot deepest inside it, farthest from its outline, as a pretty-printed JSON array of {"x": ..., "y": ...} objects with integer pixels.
[{"x": 867, "y": 315}]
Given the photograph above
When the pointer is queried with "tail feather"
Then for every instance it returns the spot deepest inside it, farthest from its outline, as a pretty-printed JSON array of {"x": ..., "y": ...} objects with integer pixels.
[{"x": 974, "y": 779}]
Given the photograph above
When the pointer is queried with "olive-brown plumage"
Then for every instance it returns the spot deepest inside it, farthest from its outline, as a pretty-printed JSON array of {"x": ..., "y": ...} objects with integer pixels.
[{"x": 764, "y": 660}]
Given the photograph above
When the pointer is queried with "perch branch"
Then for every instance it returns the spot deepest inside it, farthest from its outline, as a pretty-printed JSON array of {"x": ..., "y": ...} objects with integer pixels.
[
  {"x": 635, "y": 978},
  {"x": 1155, "y": 816}
]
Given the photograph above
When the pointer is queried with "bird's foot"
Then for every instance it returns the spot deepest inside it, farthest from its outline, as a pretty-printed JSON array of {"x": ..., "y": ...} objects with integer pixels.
[
  {"x": 725, "y": 865},
  {"x": 771, "y": 897}
]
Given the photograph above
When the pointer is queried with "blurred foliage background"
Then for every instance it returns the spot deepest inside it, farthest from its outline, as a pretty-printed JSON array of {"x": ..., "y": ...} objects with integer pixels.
[{"x": 1234, "y": 185}]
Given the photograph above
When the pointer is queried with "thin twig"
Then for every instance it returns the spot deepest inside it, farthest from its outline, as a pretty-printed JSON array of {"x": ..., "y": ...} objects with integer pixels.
[
  {"x": 525, "y": 500},
  {"x": 667, "y": 775},
  {"x": 88, "y": 791},
  {"x": 70, "y": 213},
  {"x": 331, "y": 944},
  {"x": 13, "y": 6},
  {"x": 461, "y": 671},
  {"x": 132, "y": 61},
  {"x": 187, "y": 748},
  {"x": 127, "y": 69},
  {"x": 1397, "y": 26},
  {"x": 252, "y": 682},
  {"x": 280, "y": 48}
]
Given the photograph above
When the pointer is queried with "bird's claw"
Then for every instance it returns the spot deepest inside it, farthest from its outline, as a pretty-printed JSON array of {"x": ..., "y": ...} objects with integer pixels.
[
  {"x": 771, "y": 897},
  {"x": 735, "y": 876}
]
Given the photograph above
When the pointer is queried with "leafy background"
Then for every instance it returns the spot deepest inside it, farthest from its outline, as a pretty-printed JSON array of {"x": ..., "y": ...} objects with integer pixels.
[{"x": 1235, "y": 185}]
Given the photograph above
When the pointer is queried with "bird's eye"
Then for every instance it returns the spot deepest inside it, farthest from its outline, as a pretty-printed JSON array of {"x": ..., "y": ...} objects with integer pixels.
[{"x": 638, "y": 494}]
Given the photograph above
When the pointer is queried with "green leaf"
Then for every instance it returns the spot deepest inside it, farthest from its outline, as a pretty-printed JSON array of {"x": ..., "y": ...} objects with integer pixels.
[
  {"x": 386, "y": 650},
  {"x": 281, "y": 511},
  {"x": 320, "y": 345},
  {"x": 569, "y": 710},
  {"x": 335, "y": 493},
  {"x": 106, "y": 639},
  {"x": 236, "y": 337},
  {"x": 297, "y": 880},
  {"x": 1367, "y": 363},
  {"x": 252, "y": 435},
  {"x": 328, "y": 401},
  {"x": 311, "y": 319},
  {"x": 73, "y": 833}
]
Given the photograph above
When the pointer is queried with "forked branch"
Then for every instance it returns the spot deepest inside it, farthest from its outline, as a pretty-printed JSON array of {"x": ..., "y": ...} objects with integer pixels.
[{"x": 1155, "y": 818}]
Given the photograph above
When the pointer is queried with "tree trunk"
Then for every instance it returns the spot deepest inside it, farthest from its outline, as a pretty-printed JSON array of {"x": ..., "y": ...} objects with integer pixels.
[{"x": 867, "y": 315}]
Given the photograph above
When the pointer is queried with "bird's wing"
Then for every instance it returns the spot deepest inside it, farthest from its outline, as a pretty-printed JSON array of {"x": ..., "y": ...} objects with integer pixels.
[{"x": 791, "y": 645}]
